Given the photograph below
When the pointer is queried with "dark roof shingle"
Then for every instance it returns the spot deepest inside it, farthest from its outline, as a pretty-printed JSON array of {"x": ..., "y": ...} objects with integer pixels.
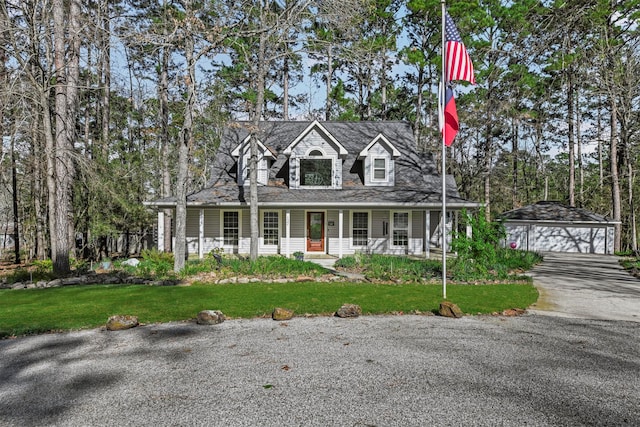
[
  {"x": 552, "y": 211},
  {"x": 416, "y": 177}
]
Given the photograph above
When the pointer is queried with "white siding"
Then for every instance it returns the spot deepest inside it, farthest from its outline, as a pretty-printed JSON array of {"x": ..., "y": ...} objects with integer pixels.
[
  {"x": 378, "y": 151},
  {"x": 244, "y": 243},
  {"x": 518, "y": 234},
  {"x": 560, "y": 238},
  {"x": 314, "y": 141},
  {"x": 333, "y": 232},
  {"x": 298, "y": 232},
  {"x": 193, "y": 230},
  {"x": 416, "y": 232},
  {"x": 379, "y": 232}
]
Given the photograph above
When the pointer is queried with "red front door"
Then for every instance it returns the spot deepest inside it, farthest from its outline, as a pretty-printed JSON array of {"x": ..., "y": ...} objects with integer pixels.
[{"x": 315, "y": 231}]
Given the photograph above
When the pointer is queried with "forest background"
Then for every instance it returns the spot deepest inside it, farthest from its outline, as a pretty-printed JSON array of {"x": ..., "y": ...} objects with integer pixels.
[{"x": 105, "y": 104}]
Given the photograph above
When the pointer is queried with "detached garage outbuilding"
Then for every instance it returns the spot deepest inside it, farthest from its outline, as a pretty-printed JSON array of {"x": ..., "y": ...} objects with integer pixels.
[{"x": 554, "y": 227}]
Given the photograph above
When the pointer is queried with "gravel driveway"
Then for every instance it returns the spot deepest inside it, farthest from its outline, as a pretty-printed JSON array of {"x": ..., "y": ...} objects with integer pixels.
[{"x": 538, "y": 369}]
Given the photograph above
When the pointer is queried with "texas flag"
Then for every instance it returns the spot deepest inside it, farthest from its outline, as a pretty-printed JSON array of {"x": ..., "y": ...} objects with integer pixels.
[{"x": 449, "y": 121}]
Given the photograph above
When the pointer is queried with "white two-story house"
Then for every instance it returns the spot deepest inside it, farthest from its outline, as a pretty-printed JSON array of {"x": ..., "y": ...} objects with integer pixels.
[{"x": 324, "y": 188}]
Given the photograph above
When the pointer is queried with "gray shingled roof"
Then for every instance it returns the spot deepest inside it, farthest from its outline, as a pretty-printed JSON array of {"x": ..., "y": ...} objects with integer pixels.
[
  {"x": 417, "y": 181},
  {"x": 552, "y": 211}
]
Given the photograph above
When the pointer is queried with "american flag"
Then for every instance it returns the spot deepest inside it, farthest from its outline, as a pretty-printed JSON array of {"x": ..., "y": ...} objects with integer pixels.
[{"x": 457, "y": 62}]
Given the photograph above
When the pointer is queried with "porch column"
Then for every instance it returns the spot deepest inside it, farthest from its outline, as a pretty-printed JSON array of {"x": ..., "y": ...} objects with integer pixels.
[
  {"x": 160, "y": 231},
  {"x": 201, "y": 235},
  {"x": 427, "y": 232},
  {"x": 288, "y": 232},
  {"x": 340, "y": 219}
]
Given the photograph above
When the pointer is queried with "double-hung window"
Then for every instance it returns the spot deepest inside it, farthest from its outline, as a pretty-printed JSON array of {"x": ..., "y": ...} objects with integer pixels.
[
  {"x": 230, "y": 227},
  {"x": 379, "y": 169},
  {"x": 270, "y": 229},
  {"x": 360, "y": 228},
  {"x": 401, "y": 229}
]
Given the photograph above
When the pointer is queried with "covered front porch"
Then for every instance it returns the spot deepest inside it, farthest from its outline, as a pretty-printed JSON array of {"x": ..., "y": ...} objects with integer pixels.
[{"x": 315, "y": 230}]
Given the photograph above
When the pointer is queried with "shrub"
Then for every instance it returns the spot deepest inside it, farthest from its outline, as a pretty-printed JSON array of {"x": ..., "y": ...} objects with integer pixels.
[
  {"x": 154, "y": 264},
  {"x": 44, "y": 266},
  {"x": 484, "y": 245},
  {"x": 154, "y": 255},
  {"x": 392, "y": 268}
]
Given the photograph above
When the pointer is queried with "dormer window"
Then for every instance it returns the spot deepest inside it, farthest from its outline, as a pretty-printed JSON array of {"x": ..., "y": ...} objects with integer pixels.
[
  {"x": 379, "y": 170},
  {"x": 378, "y": 161},
  {"x": 243, "y": 155},
  {"x": 315, "y": 159},
  {"x": 316, "y": 169}
]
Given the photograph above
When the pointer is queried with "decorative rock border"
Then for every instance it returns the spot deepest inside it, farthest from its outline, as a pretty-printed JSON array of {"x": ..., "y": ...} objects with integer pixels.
[
  {"x": 90, "y": 279},
  {"x": 115, "y": 278}
]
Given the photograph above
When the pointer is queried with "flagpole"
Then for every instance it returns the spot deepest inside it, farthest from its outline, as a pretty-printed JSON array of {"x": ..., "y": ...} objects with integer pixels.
[{"x": 442, "y": 101}]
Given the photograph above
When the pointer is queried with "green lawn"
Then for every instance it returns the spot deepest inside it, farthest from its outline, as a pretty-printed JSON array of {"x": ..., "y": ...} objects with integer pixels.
[{"x": 41, "y": 310}]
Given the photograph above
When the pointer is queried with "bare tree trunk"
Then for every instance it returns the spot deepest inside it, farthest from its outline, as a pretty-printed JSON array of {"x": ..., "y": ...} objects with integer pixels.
[
  {"x": 14, "y": 199},
  {"x": 253, "y": 147},
  {"x": 632, "y": 211},
  {"x": 417, "y": 123},
  {"x": 328, "y": 105},
  {"x": 105, "y": 67},
  {"x": 540, "y": 167},
  {"x": 615, "y": 179},
  {"x": 600, "y": 150},
  {"x": 60, "y": 216},
  {"x": 487, "y": 173},
  {"x": 285, "y": 88},
  {"x": 184, "y": 145},
  {"x": 40, "y": 220},
  {"x": 514, "y": 164},
  {"x": 579, "y": 155},
  {"x": 164, "y": 138},
  {"x": 164, "y": 132},
  {"x": 570, "y": 130},
  {"x": 488, "y": 148},
  {"x": 50, "y": 150},
  {"x": 383, "y": 86}
]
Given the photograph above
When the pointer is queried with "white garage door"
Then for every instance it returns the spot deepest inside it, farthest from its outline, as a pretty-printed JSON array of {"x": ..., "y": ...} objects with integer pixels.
[
  {"x": 571, "y": 239},
  {"x": 557, "y": 238}
]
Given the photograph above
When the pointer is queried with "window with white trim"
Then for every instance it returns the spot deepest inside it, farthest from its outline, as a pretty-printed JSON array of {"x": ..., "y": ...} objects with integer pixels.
[
  {"x": 379, "y": 169},
  {"x": 400, "y": 229},
  {"x": 230, "y": 227},
  {"x": 270, "y": 227},
  {"x": 316, "y": 171},
  {"x": 263, "y": 170},
  {"x": 360, "y": 228}
]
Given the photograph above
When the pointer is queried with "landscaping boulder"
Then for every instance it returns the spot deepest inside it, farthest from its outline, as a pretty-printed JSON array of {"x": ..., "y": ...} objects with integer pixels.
[
  {"x": 121, "y": 322},
  {"x": 74, "y": 280},
  {"x": 210, "y": 317},
  {"x": 56, "y": 283},
  {"x": 513, "y": 312},
  {"x": 449, "y": 309},
  {"x": 132, "y": 262},
  {"x": 280, "y": 313},
  {"x": 349, "y": 310}
]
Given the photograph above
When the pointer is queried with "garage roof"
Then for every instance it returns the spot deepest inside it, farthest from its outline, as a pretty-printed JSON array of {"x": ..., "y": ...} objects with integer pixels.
[{"x": 553, "y": 211}]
